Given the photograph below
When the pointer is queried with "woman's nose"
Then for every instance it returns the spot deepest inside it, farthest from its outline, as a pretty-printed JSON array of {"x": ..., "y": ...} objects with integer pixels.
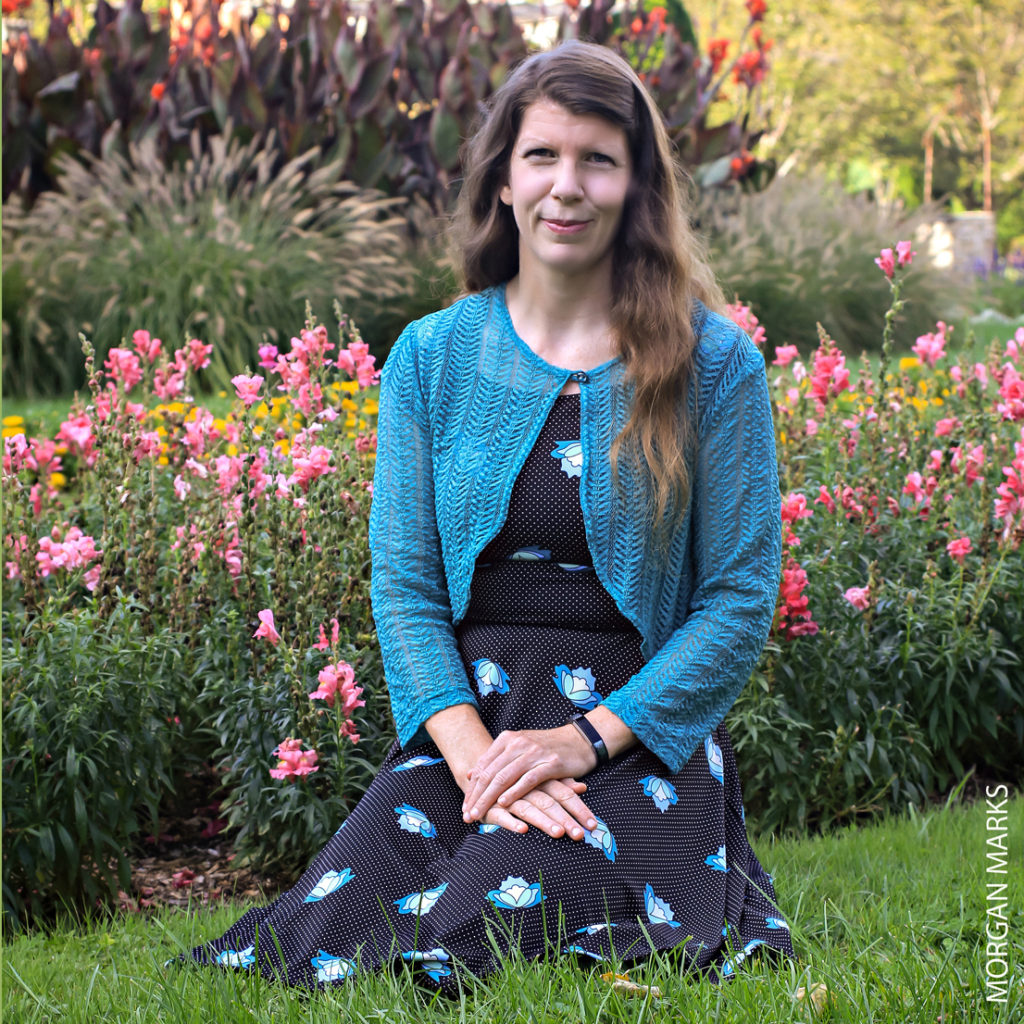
[{"x": 567, "y": 185}]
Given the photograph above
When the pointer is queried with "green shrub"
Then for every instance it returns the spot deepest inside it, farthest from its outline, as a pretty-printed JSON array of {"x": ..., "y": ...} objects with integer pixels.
[
  {"x": 224, "y": 248},
  {"x": 795, "y": 253},
  {"x": 89, "y": 707},
  {"x": 896, "y": 665}
]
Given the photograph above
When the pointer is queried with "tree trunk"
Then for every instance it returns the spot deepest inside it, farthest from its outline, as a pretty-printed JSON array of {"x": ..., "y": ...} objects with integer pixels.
[{"x": 929, "y": 162}]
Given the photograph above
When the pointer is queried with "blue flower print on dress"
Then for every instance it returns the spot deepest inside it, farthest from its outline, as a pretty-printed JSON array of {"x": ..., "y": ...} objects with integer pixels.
[
  {"x": 410, "y": 819},
  {"x": 573, "y": 567},
  {"x": 714, "y": 756},
  {"x": 486, "y": 828},
  {"x": 571, "y": 455},
  {"x": 531, "y": 555},
  {"x": 580, "y": 949},
  {"x": 775, "y": 923},
  {"x": 590, "y": 929},
  {"x": 658, "y": 911},
  {"x": 729, "y": 967},
  {"x": 331, "y": 881},
  {"x": 578, "y": 685},
  {"x": 420, "y": 903},
  {"x": 717, "y": 860},
  {"x": 661, "y": 791},
  {"x": 434, "y": 962},
  {"x": 516, "y": 894},
  {"x": 601, "y": 838},
  {"x": 332, "y": 968},
  {"x": 236, "y": 957},
  {"x": 490, "y": 677},
  {"x": 419, "y": 761}
]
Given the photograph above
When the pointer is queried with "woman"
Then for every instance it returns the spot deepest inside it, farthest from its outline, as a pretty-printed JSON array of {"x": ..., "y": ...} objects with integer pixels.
[{"x": 576, "y": 543}]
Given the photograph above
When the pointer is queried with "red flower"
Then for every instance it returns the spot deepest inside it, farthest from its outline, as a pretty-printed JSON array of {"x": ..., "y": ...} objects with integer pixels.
[
  {"x": 717, "y": 50},
  {"x": 157, "y": 91},
  {"x": 757, "y": 9}
]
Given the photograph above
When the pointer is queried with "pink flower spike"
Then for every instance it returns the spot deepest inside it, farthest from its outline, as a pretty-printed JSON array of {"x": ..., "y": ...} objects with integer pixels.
[
  {"x": 266, "y": 629},
  {"x": 784, "y": 355},
  {"x": 886, "y": 262},
  {"x": 958, "y": 548},
  {"x": 903, "y": 253},
  {"x": 247, "y": 388},
  {"x": 859, "y": 597}
]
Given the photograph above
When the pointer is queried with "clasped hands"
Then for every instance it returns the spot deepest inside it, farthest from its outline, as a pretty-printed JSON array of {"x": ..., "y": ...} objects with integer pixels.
[{"x": 530, "y": 777}]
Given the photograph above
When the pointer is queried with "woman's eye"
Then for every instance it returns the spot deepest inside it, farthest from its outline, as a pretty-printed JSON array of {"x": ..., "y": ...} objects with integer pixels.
[
  {"x": 601, "y": 158},
  {"x": 540, "y": 151}
]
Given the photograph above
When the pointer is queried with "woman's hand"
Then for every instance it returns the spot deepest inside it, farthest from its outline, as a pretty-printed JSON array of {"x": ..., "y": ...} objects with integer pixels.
[
  {"x": 519, "y": 763},
  {"x": 554, "y": 807}
]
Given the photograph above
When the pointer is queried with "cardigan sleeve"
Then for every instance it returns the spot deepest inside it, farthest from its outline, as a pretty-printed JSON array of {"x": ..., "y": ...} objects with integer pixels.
[
  {"x": 689, "y": 684},
  {"x": 408, "y": 588}
]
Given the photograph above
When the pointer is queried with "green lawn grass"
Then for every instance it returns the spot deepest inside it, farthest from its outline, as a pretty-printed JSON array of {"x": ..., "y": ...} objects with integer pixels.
[{"x": 890, "y": 917}]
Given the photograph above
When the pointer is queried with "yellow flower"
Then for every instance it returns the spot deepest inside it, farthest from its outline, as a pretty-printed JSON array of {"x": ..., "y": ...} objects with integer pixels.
[
  {"x": 222, "y": 394},
  {"x": 922, "y": 386},
  {"x": 232, "y": 449},
  {"x": 61, "y": 449},
  {"x": 350, "y": 421},
  {"x": 161, "y": 431},
  {"x": 219, "y": 425},
  {"x": 782, "y": 437},
  {"x": 334, "y": 386},
  {"x": 176, "y": 407},
  {"x": 58, "y": 480},
  {"x": 918, "y": 403},
  {"x": 13, "y": 421},
  {"x": 163, "y": 460},
  {"x": 945, "y": 392},
  {"x": 11, "y": 431},
  {"x": 909, "y": 362},
  {"x": 350, "y": 386},
  {"x": 937, "y": 401},
  {"x": 262, "y": 410},
  {"x": 348, "y": 405},
  {"x": 370, "y": 407},
  {"x": 284, "y": 446}
]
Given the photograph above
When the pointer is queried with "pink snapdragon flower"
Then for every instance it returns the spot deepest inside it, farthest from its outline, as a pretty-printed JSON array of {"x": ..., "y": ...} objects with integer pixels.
[
  {"x": 945, "y": 427},
  {"x": 293, "y": 760},
  {"x": 247, "y": 388},
  {"x": 268, "y": 356},
  {"x": 794, "y": 616},
  {"x": 1011, "y": 390},
  {"x": 339, "y": 680},
  {"x": 784, "y": 355},
  {"x": 930, "y": 348},
  {"x": 830, "y": 375},
  {"x": 123, "y": 368},
  {"x": 904, "y": 255},
  {"x": 146, "y": 346},
  {"x": 308, "y": 465},
  {"x": 958, "y": 548},
  {"x": 267, "y": 629},
  {"x": 75, "y": 551},
  {"x": 886, "y": 262},
  {"x": 322, "y": 644},
  {"x": 859, "y": 597},
  {"x": 357, "y": 362},
  {"x": 198, "y": 355},
  {"x": 744, "y": 318}
]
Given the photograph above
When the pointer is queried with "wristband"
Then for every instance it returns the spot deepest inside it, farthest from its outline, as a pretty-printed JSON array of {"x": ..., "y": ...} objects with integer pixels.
[{"x": 593, "y": 737}]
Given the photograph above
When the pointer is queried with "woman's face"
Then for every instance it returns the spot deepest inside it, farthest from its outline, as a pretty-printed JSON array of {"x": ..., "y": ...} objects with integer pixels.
[{"x": 567, "y": 183}]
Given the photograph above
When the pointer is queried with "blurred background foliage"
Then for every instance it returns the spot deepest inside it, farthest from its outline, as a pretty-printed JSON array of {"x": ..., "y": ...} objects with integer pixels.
[{"x": 123, "y": 208}]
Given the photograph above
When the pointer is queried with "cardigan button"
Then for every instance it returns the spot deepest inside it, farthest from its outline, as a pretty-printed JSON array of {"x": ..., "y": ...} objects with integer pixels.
[{"x": 579, "y": 376}]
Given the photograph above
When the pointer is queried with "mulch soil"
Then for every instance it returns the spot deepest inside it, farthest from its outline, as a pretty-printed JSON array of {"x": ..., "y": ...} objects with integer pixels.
[{"x": 191, "y": 863}]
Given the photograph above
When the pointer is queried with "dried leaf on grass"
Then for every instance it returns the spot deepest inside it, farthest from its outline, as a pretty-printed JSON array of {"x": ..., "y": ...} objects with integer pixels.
[
  {"x": 621, "y": 983},
  {"x": 817, "y": 996}
]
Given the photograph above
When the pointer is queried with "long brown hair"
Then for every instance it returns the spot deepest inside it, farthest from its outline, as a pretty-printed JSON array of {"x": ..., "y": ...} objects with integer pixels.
[{"x": 659, "y": 267}]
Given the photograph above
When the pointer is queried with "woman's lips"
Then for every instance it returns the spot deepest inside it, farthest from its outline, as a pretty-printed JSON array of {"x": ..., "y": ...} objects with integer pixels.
[{"x": 565, "y": 227}]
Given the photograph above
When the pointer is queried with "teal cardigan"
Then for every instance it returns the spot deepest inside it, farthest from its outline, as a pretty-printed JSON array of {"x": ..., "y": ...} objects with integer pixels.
[{"x": 462, "y": 401}]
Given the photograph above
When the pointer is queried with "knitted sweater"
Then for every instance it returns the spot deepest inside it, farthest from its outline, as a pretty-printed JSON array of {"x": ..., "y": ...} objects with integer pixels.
[{"x": 462, "y": 401}]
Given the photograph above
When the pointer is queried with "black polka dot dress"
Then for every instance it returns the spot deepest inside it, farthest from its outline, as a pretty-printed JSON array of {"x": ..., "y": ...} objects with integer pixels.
[{"x": 405, "y": 879}]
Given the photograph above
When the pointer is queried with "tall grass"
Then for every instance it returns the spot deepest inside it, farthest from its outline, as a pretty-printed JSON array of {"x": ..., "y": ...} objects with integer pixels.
[
  {"x": 225, "y": 248},
  {"x": 890, "y": 918}
]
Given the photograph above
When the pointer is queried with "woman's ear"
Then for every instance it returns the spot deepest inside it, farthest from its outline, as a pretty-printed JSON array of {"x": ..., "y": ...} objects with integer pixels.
[{"x": 505, "y": 195}]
